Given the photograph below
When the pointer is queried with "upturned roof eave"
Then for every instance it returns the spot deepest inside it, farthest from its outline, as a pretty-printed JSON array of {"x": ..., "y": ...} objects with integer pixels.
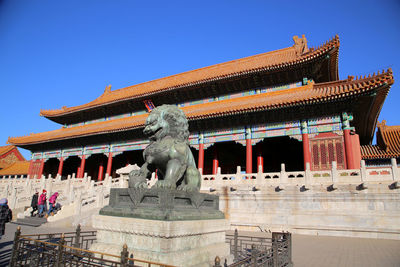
[
  {"x": 301, "y": 60},
  {"x": 192, "y": 116}
]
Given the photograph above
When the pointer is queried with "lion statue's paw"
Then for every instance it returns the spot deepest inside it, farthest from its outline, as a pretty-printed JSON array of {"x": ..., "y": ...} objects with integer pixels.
[{"x": 136, "y": 180}]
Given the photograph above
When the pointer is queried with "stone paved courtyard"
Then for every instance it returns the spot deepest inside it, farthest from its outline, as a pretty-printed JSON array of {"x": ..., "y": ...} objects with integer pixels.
[{"x": 308, "y": 251}]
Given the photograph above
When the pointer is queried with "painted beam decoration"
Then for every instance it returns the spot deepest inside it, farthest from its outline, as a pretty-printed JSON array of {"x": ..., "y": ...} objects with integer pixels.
[
  {"x": 258, "y": 132},
  {"x": 89, "y": 150},
  {"x": 52, "y": 154},
  {"x": 72, "y": 152},
  {"x": 37, "y": 155},
  {"x": 127, "y": 146}
]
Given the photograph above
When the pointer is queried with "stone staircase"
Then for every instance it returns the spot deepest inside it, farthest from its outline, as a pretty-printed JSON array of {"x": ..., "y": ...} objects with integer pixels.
[{"x": 31, "y": 221}]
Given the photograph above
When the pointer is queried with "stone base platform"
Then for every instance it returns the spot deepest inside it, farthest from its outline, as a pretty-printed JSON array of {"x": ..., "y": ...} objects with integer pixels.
[
  {"x": 179, "y": 243},
  {"x": 161, "y": 204}
]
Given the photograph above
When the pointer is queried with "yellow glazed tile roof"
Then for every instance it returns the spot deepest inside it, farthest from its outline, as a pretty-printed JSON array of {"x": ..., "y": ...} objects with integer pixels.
[
  {"x": 308, "y": 94},
  {"x": 267, "y": 61},
  {"x": 5, "y": 149},
  {"x": 390, "y": 148},
  {"x": 17, "y": 168}
]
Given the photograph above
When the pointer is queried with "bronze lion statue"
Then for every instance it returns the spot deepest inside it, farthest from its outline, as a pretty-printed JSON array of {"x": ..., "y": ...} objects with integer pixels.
[{"x": 168, "y": 152}]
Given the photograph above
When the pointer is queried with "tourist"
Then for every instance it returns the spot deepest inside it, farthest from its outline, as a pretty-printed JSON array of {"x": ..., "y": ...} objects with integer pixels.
[
  {"x": 52, "y": 202},
  {"x": 34, "y": 203},
  {"x": 42, "y": 202},
  {"x": 5, "y": 215}
]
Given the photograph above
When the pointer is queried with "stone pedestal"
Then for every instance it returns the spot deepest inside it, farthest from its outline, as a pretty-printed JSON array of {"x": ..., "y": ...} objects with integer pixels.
[{"x": 179, "y": 243}]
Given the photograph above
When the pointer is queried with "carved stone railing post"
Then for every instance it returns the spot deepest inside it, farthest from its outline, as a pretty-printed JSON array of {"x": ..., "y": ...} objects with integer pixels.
[
  {"x": 363, "y": 171},
  {"x": 334, "y": 172},
  {"x": 307, "y": 175},
  {"x": 42, "y": 182},
  {"x": 238, "y": 173},
  {"x": 121, "y": 182},
  {"x": 218, "y": 177},
  {"x": 78, "y": 204},
  {"x": 91, "y": 186},
  {"x": 283, "y": 175},
  {"x": 395, "y": 175},
  {"x": 13, "y": 198},
  {"x": 49, "y": 185},
  {"x": 71, "y": 193},
  {"x": 100, "y": 197}
]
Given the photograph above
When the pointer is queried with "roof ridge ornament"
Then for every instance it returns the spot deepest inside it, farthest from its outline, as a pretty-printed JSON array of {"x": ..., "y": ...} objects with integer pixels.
[
  {"x": 300, "y": 45},
  {"x": 107, "y": 89}
]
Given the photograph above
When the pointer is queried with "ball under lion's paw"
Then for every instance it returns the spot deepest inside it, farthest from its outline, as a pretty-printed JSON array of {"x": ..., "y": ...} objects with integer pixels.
[
  {"x": 164, "y": 184},
  {"x": 141, "y": 185},
  {"x": 188, "y": 188}
]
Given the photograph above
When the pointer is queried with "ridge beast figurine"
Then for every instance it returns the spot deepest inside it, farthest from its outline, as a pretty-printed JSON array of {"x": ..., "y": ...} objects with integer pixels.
[{"x": 168, "y": 152}]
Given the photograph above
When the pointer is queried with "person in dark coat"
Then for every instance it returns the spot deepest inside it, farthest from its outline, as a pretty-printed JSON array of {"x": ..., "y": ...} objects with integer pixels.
[
  {"x": 34, "y": 203},
  {"x": 5, "y": 215}
]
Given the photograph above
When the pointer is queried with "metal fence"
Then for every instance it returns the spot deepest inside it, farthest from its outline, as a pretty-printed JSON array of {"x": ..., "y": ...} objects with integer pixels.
[
  {"x": 72, "y": 249},
  {"x": 250, "y": 251},
  {"x": 69, "y": 249}
]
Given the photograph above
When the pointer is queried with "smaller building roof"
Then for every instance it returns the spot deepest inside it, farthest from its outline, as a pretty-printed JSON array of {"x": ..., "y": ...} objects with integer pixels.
[
  {"x": 388, "y": 143},
  {"x": 16, "y": 168},
  {"x": 5, "y": 149},
  {"x": 7, "y": 157}
]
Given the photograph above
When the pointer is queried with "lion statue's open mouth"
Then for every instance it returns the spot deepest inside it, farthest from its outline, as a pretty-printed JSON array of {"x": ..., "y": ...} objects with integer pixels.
[{"x": 168, "y": 152}]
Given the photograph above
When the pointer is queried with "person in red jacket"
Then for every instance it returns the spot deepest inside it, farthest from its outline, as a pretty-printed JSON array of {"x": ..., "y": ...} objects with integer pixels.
[
  {"x": 42, "y": 202},
  {"x": 52, "y": 203}
]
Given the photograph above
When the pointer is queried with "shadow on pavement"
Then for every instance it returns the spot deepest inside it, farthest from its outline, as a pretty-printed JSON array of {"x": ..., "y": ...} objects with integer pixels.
[{"x": 5, "y": 256}]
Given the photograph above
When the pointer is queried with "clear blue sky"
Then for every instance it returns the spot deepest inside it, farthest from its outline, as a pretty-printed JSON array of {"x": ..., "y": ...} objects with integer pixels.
[{"x": 64, "y": 53}]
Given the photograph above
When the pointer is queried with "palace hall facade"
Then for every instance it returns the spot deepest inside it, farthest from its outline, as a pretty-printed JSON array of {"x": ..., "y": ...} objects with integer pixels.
[{"x": 285, "y": 106}]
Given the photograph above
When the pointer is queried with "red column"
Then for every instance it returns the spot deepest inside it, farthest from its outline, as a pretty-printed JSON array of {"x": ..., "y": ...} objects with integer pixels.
[
  {"x": 215, "y": 161},
  {"x": 82, "y": 167},
  {"x": 349, "y": 149},
  {"x": 355, "y": 142},
  {"x": 41, "y": 169},
  {"x": 101, "y": 170},
  {"x": 109, "y": 163},
  {"x": 249, "y": 156},
  {"x": 30, "y": 168},
  {"x": 260, "y": 158},
  {"x": 201, "y": 157},
  {"x": 60, "y": 166},
  {"x": 306, "y": 144},
  {"x": 78, "y": 172},
  {"x": 306, "y": 150}
]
